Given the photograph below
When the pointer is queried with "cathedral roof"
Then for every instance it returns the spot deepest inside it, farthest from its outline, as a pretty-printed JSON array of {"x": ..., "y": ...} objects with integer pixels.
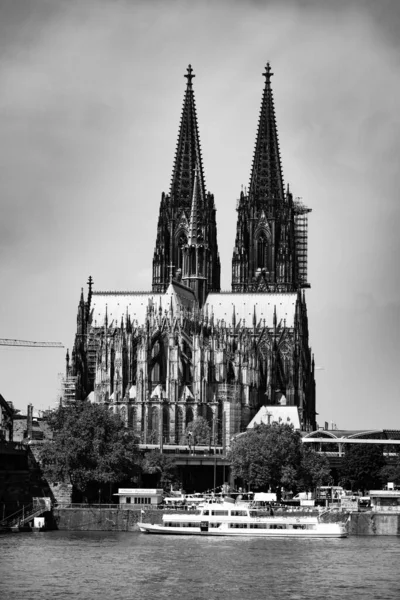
[
  {"x": 181, "y": 295},
  {"x": 266, "y": 181},
  {"x": 118, "y": 304},
  {"x": 287, "y": 415},
  {"x": 188, "y": 151},
  {"x": 246, "y": 307}
]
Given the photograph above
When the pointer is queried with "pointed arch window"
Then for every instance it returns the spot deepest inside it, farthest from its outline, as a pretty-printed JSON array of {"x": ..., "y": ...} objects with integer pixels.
[
  {"x": 182, "y": 242},
  {"x": 189, "y": 416},
  {"x": 155, "y": 374},
  {"x": 262, "y": 251},
  {"x": 200, "y": 259},
  {"x": 165, "y": 425},
  {"x": 154, "y": 425},
  {"x": 179, "y": 426},
  {"x": 156, "y": 370}
]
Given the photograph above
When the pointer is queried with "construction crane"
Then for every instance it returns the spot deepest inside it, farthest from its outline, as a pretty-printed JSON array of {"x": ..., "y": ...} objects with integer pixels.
[{"x": 9, "y": 342}]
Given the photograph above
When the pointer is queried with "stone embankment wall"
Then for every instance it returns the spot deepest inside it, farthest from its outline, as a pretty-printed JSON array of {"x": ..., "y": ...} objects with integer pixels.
[
  {"x": 113, "y": 519},
  {"x": 102, "y": 519},
  {"x": 369, "y": 523}
]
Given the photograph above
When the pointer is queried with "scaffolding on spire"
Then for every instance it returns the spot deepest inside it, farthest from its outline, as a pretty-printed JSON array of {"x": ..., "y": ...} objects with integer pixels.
[{"x": 301, "y": 239}]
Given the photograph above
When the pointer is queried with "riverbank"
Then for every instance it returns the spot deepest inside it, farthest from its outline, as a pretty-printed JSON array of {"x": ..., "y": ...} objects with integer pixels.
[
  {"x": 102, "y": 519},
  {"x": 114, "y": 519}
]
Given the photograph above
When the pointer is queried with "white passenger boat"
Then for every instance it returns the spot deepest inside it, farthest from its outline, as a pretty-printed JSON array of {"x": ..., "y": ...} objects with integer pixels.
[{"x": 228, "y": 519}]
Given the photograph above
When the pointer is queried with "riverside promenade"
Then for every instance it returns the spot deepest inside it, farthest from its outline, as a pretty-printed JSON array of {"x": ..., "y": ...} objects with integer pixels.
[{"x": 110, "y": 517}]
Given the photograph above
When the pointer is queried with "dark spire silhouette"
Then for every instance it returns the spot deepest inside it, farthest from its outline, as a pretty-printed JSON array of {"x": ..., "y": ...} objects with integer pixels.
[
  {"x": 188, "y": 151},
  {"x": 187, "y": 214},
  {"x": 266, "y": 181}
]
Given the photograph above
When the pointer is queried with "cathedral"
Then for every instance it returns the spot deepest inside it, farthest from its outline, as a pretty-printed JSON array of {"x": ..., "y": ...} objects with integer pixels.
[{"x": 185, "y": 349}]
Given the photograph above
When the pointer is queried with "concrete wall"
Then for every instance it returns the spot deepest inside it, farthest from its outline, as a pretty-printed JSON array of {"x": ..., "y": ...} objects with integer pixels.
[
  {"x": 102, "y": 519},
  {"x": 369, "y": 523}
]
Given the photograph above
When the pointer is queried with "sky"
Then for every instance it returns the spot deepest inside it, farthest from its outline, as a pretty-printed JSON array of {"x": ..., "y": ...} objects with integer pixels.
[{"x": 90, "y": 100}]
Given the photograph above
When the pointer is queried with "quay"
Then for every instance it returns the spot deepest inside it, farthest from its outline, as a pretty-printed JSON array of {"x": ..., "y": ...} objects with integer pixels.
[
  {"x": 67, "y": 516},
  {"x": 110, "y": 517}
]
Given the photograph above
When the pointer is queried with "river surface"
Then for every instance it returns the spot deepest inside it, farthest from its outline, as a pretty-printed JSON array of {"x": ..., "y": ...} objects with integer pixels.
[{"x": 58, "y": 565}]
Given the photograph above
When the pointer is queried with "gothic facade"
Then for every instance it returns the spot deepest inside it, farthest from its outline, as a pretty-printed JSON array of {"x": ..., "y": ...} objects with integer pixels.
[{"x": 185, "y": 349}]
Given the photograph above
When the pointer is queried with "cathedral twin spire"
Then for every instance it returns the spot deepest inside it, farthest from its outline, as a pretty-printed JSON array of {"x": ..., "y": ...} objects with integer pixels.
[
  {"x": 186, "y": 242},
  {"x": 269, "y": 252},
  {"x": 266, "y": 181},
  {"x": 188, "y": 150}
]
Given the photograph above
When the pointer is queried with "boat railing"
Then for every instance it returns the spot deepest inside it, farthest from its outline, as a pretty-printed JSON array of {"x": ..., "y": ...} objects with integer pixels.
[
  {"x": 14, "y": 516},
  {"x": 22, "y": 516},
  {"x": 124, "y": 506}
]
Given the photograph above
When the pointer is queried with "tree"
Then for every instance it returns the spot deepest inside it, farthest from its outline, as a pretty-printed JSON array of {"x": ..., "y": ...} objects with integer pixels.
[
  {"x": 314, "y": 470},
  {"x": 268, "y": 456},
  {"x": 163, "y": 467},
  {"x": 198, "y": 431},
  {"x": 91, "y": 448},
  {"x": 273, "y": 456},
  {"x": 391, "y": 472},
  {"x": 362, "y": 466}
]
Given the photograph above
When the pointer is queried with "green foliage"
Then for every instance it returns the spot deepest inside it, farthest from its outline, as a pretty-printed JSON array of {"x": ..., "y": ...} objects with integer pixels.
[
  {"x": 273, "y": 457},
  {"x": 267, "y": 456},
  {"x": 164, "y": 467},
  {"x": 200, "y": 431},
  {"x": 391, "y": 472},
  {"x": 314, "y": 470},
  {"x": 90, "y": 447},
  {"x": 362, "y": 466}
]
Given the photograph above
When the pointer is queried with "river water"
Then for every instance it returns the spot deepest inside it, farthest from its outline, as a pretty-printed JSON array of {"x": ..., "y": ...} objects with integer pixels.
[{"x": 60, "y": 565}]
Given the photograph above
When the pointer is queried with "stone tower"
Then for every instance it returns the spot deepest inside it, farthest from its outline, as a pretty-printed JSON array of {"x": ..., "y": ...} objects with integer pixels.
[
  {"x": 180, "y": 231},
  {"x": 270, "y": 252}
]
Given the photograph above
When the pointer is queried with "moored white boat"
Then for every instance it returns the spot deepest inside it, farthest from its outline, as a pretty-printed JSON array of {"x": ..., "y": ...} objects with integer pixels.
[{"x": 228, "y": 519}]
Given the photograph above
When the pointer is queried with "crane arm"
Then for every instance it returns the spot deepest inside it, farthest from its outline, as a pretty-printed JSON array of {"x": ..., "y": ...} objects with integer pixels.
[{"x": 8, "y": 342}]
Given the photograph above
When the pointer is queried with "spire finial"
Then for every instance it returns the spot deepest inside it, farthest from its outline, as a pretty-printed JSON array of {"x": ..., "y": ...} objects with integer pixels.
[
  {"x": 189, "y": 76},
  {"x": 268, "y": 74}
]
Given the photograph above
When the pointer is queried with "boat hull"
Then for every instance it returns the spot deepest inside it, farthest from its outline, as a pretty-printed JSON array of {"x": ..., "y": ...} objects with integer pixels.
[{"x": 323, "y": 532}]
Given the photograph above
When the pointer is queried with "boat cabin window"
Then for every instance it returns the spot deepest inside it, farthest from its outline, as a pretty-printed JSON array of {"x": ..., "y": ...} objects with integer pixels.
[
  {"x": 177, "y": 524},
  {"x": 238, "y": 513},
  {"x": 220, "y": 513},
  {"x": 206, "y": 512}
]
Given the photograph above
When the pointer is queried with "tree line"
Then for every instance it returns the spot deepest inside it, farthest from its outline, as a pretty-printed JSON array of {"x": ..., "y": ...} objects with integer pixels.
[
  {"x": 93, "y": 450},
  {"x": 274, "y": 456}
]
